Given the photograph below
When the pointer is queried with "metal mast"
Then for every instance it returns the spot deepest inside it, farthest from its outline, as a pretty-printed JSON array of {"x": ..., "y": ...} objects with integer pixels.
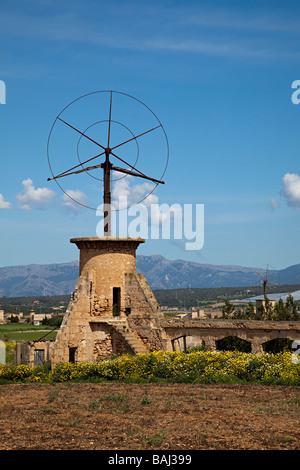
[{"x": 266, "y": 280}]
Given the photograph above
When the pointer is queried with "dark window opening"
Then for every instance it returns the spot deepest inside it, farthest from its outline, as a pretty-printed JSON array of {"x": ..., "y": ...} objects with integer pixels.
[
  {"x": 116, "y": 301},
  {"x": 72, "y": 353}
]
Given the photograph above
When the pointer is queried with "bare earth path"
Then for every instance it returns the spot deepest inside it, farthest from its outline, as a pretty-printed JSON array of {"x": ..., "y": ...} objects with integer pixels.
[{"x": 149, "y": 416}]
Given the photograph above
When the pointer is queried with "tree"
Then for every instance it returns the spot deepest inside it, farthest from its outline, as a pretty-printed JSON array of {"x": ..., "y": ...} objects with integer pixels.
[
  {"x": 267, "y": 311},
  {"x": 279, "y": 310},
  {"x": 238, "y": 314},
  {"x": 54, "y": 321},
  {"x": 286, "y": 311},
  {"x": 227, "y": 309},
  {"x": 291, "y": 308},
  {"x": 14, "y": 319},
  {"x": 249, "y": 311}
]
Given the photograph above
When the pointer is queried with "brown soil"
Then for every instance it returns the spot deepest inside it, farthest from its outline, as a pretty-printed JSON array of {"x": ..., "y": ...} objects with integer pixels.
[{"x": 148, "y": 416}]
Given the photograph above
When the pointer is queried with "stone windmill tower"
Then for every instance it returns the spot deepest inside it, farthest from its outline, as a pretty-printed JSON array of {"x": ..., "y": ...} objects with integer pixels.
[{"x": 112, "y": 309}]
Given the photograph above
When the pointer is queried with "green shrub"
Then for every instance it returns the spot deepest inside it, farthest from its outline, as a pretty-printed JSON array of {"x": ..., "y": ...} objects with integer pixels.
[{"x": 195, "y": 367}]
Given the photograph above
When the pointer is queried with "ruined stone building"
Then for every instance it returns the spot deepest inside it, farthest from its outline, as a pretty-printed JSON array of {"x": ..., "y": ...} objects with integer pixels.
[
  {"x": 113, "y": 311},
  {"x": 113, "y": 307}
]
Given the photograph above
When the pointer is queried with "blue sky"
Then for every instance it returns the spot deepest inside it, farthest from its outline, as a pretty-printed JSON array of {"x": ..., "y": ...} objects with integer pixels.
[{"x": 219, "y": 77}]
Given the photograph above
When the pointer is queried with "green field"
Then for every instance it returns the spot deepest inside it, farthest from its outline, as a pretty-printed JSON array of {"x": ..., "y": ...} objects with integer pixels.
[
  {"x": 26, "y": 332},
  {"x": 11, "y": 333}
]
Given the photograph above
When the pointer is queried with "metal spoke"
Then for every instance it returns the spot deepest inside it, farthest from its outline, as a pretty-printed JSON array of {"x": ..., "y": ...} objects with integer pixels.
[
  {"x": 133, "y": 173},
  {"x": 109, "y": 120},
  {"x": 136, "y": 137},
  {"x": 126, "y": 163},
  {"x": 76, "y": 166},
  {"x": 84, "y": 135},
  {"x": 77, "y": 171}
]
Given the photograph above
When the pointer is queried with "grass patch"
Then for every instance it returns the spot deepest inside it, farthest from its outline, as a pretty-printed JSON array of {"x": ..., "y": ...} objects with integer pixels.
[
  {"x": 49, "y": 411},
  {"x": 25, "y": 332},
  {"x": 295, "y": 401},
  {"x": 114, "y": 397},
  {"x": 145, "y": 400},
  {"x": 156, "y": 440},
  {"x": 52, "y": 395}
]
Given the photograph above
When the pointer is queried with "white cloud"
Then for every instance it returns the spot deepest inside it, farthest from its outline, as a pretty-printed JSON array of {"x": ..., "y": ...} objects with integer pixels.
[
  {"x": 4, "y": 204},
  {"x": 291, "y": 189},
  {"x": 124, "y": 195},
  {"x": 120, "y": 189},
  {"x": 72, "y": 197},
  {"x": 273, "y": 203},
  {"x": 31, "y": 196}
]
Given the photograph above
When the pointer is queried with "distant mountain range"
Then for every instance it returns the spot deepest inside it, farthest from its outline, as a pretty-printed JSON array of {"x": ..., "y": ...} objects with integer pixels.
[
  {"x": 38, "y": 279},
  {"x": 161, "y": 273}
]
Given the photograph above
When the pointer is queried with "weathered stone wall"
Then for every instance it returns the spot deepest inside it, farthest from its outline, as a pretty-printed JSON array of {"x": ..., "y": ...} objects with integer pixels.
[
  {"x": 109, "y": 258},
  {"x": 34, "y": 353},
  {"x": 75, "y": 331},
  {"x": 148, "y": 330},
  {"x": 107, "y": 342},
  {"x": 91, "y": 331},
  {"x": 210, "y": 331},
  {"x": 118, "y": 336},
  {"x": 139, "y": 298}
]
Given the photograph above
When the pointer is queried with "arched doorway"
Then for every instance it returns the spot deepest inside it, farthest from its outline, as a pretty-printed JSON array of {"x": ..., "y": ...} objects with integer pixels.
[
  {"x": 278, "y": 345},
  {"x": 233, "y": 343}
]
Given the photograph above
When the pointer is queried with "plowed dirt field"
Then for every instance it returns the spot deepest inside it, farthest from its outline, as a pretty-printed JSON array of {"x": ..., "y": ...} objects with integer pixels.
[{"x": 89, "y": 416}]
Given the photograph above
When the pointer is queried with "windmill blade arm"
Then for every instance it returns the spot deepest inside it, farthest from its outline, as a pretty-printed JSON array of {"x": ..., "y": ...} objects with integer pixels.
[
  {"x": 77, "y": 171},
  {"x": 136, "y": 137},
  {"x": 259, "y": 274},
  {"x": 274, "y": 275},
  {"x": 73, "y": 167},
  {"x": 133, "y": 173},
  {"x": 84, "y": 135}
]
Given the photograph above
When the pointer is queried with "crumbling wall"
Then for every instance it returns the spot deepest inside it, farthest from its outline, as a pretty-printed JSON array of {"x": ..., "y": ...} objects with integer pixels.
[
  {"x": 34, "y": 353},
  {"x": 139, "y": 297},
  {"x": 74, "y": 335},
  {"x": 148, "y": 330}
]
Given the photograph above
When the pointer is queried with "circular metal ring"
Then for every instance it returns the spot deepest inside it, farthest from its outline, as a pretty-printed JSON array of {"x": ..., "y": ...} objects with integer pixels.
[{"x": 131, "y": 97}]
